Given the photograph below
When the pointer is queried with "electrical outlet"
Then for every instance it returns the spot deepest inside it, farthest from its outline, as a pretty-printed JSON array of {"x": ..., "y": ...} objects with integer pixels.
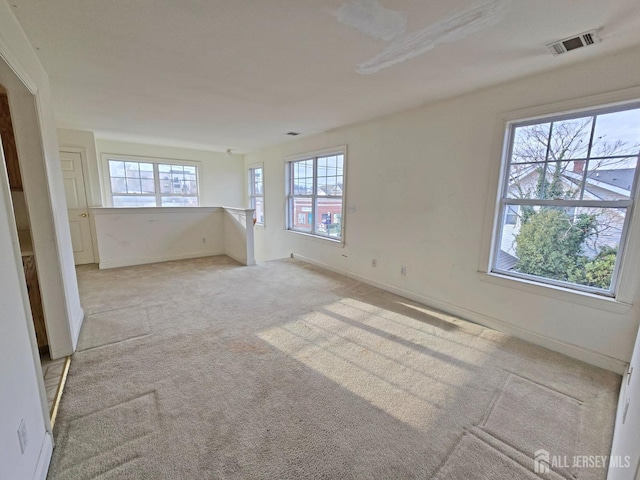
[
  {"x": 22, "y": 436},
  {"x": 374, "y": 262},
  {"x": 403, "y": 270}
]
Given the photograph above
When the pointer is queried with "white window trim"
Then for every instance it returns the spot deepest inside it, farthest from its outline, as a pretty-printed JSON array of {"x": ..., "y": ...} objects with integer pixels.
[
  {"x": 338, "y": 150},
  {"x": 250, "y": 196},
  {"x": 106, "y": 175},
  {"x": 628, "y": 281}
]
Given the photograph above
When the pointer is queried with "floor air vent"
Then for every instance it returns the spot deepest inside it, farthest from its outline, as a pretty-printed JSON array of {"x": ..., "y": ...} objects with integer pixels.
[{"x": 572, "y": 43}]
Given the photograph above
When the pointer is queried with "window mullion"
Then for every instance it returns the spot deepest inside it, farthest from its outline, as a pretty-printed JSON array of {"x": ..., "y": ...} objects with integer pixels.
[
  {"x": 156, "y": 183},
  {"x": 314, "y": 196}
]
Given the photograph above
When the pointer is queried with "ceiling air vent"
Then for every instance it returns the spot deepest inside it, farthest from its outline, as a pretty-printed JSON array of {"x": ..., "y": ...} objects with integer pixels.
[{"x": 571, "y": 43}]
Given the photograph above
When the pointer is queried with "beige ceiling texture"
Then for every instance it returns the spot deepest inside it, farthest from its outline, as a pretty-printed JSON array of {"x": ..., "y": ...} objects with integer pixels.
[{"x": 240, "y": 74}]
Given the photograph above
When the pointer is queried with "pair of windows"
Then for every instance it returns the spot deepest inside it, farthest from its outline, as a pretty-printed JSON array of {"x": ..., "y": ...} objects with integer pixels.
[
  {"x": 152, "y": 183},
  {"x": 567, "y": 190},
  {"x": 315, "y": 200}
]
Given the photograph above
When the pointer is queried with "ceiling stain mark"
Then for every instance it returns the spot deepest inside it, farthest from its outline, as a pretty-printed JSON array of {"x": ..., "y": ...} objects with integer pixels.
[
  {"x": 456, "y": 26},
  {"x": 372, "y": 19}
]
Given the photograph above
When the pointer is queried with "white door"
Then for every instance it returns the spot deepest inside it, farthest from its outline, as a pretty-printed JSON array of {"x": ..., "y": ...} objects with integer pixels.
[
  {"x": 626, "y": 439},
  {"x": 77, "y": 207}
]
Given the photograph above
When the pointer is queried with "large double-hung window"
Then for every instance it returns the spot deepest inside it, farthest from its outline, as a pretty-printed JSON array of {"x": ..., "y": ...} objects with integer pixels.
[
  {"x": 315, "y": 195},
  {"x": 135, "y": 182},
  {"x": 568, "y": 187}
]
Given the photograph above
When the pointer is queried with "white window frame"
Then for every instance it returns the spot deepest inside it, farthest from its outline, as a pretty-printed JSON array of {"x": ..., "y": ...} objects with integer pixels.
[
  {"x": 106, "y": 178},
  {"x": 289, "y": 161},
  {"x": 253, "y": 195},
  {"x": 504, "y": 201}
]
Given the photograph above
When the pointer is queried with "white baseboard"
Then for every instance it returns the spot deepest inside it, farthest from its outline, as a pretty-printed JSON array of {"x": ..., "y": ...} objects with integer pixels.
[
  {"x": 128, "y": 262},
  {"x": 42, "y": 467},
  {"x": 239, "y": 259},
  {"x": 584, "y": 354}
]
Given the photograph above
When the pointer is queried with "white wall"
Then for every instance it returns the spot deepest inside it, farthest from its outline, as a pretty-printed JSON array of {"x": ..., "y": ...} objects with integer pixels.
[
  {"x": 135, "y": 236},
  {"x": 421, "y": 187},
  {"x": 239, "y": 235},
  {"x": 222, "y": 179}
]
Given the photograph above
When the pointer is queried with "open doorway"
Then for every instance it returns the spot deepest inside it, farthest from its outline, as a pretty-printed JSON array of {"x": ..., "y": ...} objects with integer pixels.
[{"x": 53, "y": 371}]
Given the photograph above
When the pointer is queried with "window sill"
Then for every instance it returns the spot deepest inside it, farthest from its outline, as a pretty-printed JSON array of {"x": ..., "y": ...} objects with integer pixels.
[
  {"x": 559, "y": 293},
  {"x": 310, "y": 236}
]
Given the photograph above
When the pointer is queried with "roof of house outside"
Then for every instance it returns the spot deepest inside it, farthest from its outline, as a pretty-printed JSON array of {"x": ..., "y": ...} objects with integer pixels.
[
  {"x": 506, "y": 261},
  {"x": 621, "y": 178}
]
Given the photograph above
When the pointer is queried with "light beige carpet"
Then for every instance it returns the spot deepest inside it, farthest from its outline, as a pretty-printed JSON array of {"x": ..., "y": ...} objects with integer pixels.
[{"x": 203, "y": 369}]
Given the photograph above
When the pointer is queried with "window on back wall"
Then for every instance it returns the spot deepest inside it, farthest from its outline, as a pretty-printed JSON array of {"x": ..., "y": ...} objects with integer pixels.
[
  {"x": 152, "y": 183},
  {"x": 256, "y": 193},
  {"x": 315, "y": 195},
  {"x": 566, "y": 196}
]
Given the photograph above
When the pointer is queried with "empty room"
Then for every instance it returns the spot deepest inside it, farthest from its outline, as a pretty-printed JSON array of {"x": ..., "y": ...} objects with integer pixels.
[{"x": 322, "y": 239}]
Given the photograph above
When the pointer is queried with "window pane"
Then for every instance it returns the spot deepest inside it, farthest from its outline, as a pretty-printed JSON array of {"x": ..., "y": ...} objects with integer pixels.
[
  {"x": 146, "y": 170},
  {"x": 329, "y": 217},
  {"x": 258, "y": 204},
  {"x": 617, "y": 133},
  {"x": 301, "y": 215},
  {"x": 530, "y": 143},
  {"x": 116, "y": 169},
  {"x": 563, "y": 180},
  {"x": 133, "y": 185},
  {"x": 257, "y": 179},
  {"x": 610, "y": 179},
  {"x": 322, "y": 166},
  {"x": 322, "y": 186},
  {"x": 189, "y": 188},
  {"x": 179, "y": 201},
  {"x": 132, "y": 170},
  {"x": 570, "y": 138},
  {"x": 133, "y": 201},
  {"x": 525, "y": 181},
  {"x": 302, "y": 170},
  {"x": 334, "y": 186},
  {"x": 511, "y": 215},
  {"x": 165, "y": 182},
  {"x": 118, "y": 185},
  {"x": 148, "y": 186},
  {"x": 573, "y": 245}
]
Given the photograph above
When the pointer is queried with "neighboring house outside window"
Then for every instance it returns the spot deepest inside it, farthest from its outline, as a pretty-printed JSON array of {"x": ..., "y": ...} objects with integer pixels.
[
  {"x": 256, "y": 193},
  {"x": 135, "y": 182},
  {"x": 315, "y": 195},
  {"x": 568, "y": 188}
]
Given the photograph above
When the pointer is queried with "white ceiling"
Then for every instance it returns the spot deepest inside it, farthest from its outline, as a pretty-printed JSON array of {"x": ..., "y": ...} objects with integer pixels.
[{"x": 240, "y": 74}]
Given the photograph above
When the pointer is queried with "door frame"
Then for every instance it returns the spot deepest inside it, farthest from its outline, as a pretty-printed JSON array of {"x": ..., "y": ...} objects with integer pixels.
[{"x": 87, "y": 194}]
